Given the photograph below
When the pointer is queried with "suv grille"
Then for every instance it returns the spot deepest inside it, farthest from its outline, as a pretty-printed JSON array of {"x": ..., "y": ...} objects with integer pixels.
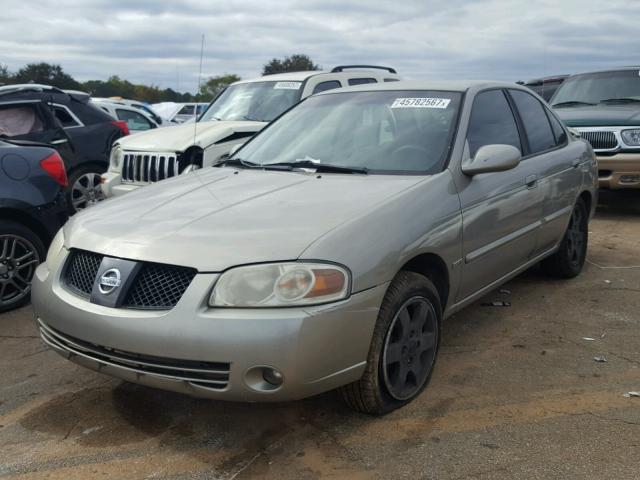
[
  {"x": 159, "y": 286},
  {"x": 155, "y": 286},
  {"x": 149, "y": 167},
  {"x": 82, "y": 268},
  {"x": 214, "y": 375},
  {"x": 600, "y": 140}
]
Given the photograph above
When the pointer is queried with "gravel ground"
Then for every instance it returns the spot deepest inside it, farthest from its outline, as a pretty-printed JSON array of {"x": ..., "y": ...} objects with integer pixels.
[{"x": 516, "y": 395}]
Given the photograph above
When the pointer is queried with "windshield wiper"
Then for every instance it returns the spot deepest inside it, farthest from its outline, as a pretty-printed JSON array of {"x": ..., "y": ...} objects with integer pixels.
[
  {"x": 572, "y": 103},
  {"x": 620, "y": 100},
  {"x": 318, "y": 167},
  {"x": 237, "y": 162}
]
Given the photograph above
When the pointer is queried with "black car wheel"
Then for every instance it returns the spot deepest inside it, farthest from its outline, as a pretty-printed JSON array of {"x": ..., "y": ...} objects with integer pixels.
[
  {"x": 403, "y": 348},
  {"x": 568, "y": 260},
  {"x": 20, "y": 253},
  {"x": 85, "y": 188}
]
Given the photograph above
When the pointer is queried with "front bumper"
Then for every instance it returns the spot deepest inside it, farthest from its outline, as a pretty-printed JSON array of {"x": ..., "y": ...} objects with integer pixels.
[
  {"x": 315, "y": 348},
  {"x": 112, "y": 185},
  {"x": 618, "y": 171}
]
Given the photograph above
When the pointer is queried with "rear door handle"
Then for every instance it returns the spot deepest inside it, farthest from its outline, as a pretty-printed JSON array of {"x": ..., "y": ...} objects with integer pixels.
[
  {"x": 531, "y": 181},
  {"x": 59, "y": 142}
]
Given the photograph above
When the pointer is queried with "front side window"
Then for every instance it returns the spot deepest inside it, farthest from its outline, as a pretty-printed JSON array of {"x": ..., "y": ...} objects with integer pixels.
[
  {"x": 324, "y": 86},
  {"x": 492, "y": 122},
  {"x": 535, "y": 121},
  {"x": 16, "y": 121},
  {"x": 253, "y": 101},
  {"x": 614, "y": 87},
  {"x": 381, "y": 131},
  {"x": 135, "y": 121}
]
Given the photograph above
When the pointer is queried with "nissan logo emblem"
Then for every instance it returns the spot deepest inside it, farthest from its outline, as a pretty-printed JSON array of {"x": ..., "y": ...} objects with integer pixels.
[{"x": 109, "y": 281}]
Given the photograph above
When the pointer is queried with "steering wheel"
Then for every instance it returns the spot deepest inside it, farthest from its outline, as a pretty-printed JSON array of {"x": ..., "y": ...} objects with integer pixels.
[{"x": 409, "y": 152}]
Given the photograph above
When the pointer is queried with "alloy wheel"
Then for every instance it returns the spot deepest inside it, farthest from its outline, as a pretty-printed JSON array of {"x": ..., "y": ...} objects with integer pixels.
[
  {"x": 575, "y": 236},
  {"x": 410, "y": 348},
  {"x": 86, "y": 191},
  {"x": 18, "y": 262}
]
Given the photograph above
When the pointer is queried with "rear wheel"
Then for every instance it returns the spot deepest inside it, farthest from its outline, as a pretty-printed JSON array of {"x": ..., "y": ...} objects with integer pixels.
[
  {"x": 403, "y": 349},
  {"x": 20, "y": 253},
  {"x": 85, "y": 188},
  {"x": 568, "y": 260}
]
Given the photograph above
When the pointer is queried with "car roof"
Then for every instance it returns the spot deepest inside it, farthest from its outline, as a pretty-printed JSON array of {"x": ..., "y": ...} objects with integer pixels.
[
  {"x": 613, "y": 69},
  {"x": 304, "y": 75},
  {"x": 443, "y": 85}
]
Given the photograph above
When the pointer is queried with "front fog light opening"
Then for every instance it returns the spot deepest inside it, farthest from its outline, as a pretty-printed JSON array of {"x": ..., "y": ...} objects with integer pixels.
[
  {"x": 264, "y": 378},
  {"x": 629, "y": 178}
]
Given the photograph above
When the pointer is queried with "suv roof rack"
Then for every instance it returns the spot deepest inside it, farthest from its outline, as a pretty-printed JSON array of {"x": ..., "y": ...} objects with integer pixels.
[{"x": 341, "y": 68}]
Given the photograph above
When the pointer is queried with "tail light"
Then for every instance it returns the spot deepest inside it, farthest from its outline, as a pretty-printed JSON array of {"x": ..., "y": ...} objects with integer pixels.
[
  {"x": 54, "y": 166},
  {"x": 122, "y": 126}
]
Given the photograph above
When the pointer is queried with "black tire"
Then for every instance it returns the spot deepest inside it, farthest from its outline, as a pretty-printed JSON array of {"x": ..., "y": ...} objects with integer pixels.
[
  {"x": 84, "y": 187},
  {"x": 21, "y": 250},
  {"x": 377, "y": 393},
  {"x": 568, "y": 260}
]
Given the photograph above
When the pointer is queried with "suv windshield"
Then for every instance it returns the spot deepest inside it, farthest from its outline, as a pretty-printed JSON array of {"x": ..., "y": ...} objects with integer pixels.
[
  {"x": 255, "y": 101},
  {"x": 594, "y": 88},
  {"x": 380, "y": 131}
]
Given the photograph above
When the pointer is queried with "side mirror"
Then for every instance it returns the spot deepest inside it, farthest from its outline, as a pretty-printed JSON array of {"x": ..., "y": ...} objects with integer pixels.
[{"x": 492, "y": 158}]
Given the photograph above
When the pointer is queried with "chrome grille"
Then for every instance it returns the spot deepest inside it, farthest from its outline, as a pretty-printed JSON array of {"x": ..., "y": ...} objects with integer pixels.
[
  {"x": 600, "y": 140},
  {"x": 149, "y": 167},
  {"x": 214, "y": 375},
  {"x": 155, "y": 286},
  {"x": 159, "y": 286},
  {"x": 82, "y": 268}
]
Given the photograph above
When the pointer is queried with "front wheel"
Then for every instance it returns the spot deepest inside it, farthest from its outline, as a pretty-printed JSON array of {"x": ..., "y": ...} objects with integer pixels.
[
  {"x": 568, "y": 260},
  {"x": 21, "y": 250},
  {"x": 403, "y": 348}
]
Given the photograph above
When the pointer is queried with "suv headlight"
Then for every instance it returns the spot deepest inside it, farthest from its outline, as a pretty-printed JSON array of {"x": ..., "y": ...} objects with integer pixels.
[
  {"x": 116, "y": 156},
  {"x": 631, "y": 137},
  {"x": 281, "y": 285}
]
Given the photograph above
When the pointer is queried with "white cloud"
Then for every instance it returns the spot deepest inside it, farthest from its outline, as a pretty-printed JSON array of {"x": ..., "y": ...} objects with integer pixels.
[{"x": 158, "y": 41}]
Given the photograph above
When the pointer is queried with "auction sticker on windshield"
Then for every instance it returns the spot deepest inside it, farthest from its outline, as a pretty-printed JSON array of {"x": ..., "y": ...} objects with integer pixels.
[
  {"x": 287, "y": 85},
  {"x": 421, "y": 102}
]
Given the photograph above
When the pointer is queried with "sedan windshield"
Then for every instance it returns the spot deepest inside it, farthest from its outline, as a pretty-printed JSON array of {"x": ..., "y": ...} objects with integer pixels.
[
  {"x": 603, "y": 87},
  {"x": 254, "y": 101},
  {"x": 376, "y": 132}
]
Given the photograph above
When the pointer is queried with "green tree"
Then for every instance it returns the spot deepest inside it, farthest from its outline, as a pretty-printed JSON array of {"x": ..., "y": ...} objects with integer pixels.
[
  {"x": 46, "y": 74},
  {"x": 5, "y": 75},
  {"x": 294, "y": 63},
  {"x": 212, "y": 87}
]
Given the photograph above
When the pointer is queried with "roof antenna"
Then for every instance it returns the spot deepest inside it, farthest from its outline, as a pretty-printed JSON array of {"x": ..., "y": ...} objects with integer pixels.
[{"x": 195, "y": 107}]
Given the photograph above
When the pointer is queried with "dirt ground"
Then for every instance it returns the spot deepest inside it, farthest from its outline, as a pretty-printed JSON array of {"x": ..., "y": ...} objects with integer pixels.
[{"x": 516, "y": 394}]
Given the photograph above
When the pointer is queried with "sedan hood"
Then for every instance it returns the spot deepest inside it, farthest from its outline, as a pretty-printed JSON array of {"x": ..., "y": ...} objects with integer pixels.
[
  {"x": 217, "y": 218},
  {"x": 600, "y": 116},
  {"x": 181, "y": 137}
]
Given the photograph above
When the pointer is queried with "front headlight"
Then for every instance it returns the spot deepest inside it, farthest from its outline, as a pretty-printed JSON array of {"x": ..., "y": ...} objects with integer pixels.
[
  {"x": 631, "y": 137},
  {"x": 116, "y": 156},
  {"x": 56, "y": 245},
  {"x": 281, "y": 285}
]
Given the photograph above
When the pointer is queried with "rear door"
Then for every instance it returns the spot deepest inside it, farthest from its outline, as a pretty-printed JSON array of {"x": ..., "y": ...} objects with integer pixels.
[
  {"x": 559, "y": 175},
  {"x": 501, "y": 211}
]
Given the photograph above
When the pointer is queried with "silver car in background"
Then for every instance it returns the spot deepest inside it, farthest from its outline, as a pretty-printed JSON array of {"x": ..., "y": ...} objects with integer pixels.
[{"x": 325, "y": 252}]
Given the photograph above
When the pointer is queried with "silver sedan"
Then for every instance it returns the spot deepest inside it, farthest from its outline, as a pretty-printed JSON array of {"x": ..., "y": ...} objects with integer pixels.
[{"x": 327, "y": 251}]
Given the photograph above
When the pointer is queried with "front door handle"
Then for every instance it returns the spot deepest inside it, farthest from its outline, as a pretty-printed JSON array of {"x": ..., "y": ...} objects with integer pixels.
[
  {"x": 531, "y": 181},
  {"x": 575, "y": 163}
]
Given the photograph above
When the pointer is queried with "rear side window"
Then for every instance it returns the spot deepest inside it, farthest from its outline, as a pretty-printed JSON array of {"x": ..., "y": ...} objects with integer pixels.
[
  {"x": 135, "y": 121},
  {"x": 558, "y": 130},
  {"x": 361, "y": 81},
  {"x": 492, "y": 122},
  {"x": 330, "y": 85},
  {"x": 536, "y": 123},
  {"x": 65, "y": 118},
  {"x": 187, "y": 110}
]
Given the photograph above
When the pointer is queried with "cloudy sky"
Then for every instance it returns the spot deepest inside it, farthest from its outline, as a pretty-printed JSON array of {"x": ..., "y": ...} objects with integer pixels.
[{"x": 158, "y": 41}]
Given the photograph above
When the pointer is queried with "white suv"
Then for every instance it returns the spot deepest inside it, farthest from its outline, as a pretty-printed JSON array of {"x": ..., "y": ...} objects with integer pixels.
[{"x": 238, "y": 113}]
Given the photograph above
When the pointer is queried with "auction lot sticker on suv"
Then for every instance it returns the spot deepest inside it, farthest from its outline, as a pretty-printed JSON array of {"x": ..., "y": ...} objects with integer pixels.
[
  {"x": 287, "y": 86},
  {"x": 420, "y": 103}
]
